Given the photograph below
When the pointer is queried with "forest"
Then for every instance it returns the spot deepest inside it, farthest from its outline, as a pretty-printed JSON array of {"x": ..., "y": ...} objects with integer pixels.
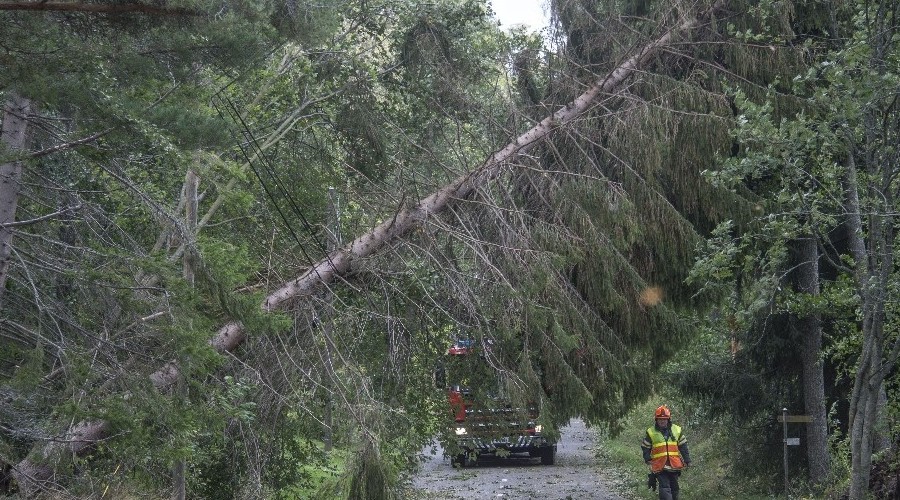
[{"x": 238, "y": 236}]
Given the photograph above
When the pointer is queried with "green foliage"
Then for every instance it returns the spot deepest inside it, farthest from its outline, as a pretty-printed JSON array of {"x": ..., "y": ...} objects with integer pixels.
[
  {"x": 318, "y": 475},
  {"x": 575, "y": 263},
  {"x": 367, "y": 476},
  {"x": 793, "y": 138}
]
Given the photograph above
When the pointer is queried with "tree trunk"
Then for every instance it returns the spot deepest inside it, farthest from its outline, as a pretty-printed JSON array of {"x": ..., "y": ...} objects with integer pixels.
[
  {"x": 37, "y": 473},
  {"x": 859, "y": 480},
  {"x": 12, "y": 143},
  {"x": 228, "y": 337},
  {"x": 190, "y": 216},
  {"x": 334, "y": 242},
  {"x": 810, "y": 329},
  {"x": 882, "y": 431},
  {"x": 190, "y": 223},
  {"x": 874, "y": 263}
]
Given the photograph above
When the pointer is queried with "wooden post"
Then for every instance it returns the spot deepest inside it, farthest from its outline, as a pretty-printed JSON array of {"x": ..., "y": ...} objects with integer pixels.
[
  {"x": 179, "y": 492},
  {"x": 785, "y": 446}
]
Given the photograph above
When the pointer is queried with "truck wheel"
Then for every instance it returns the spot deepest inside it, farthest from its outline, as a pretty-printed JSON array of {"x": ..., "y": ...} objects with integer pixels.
[
  {"x": 459, "y": 461},
  {"x": 548, "y": 455}
]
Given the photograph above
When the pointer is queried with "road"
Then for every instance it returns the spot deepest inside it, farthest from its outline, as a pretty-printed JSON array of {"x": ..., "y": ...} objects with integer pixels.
[{"x": 576, "y": 475}]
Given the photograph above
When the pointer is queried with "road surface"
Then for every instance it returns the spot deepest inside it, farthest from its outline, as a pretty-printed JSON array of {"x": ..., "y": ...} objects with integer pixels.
[{"x": 576, "y": 475}]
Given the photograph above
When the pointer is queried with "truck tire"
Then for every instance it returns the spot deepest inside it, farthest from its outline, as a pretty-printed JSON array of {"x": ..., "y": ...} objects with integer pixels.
[
  {"x": 462, "y": 460},
  {"x": 548, "y": 455}
]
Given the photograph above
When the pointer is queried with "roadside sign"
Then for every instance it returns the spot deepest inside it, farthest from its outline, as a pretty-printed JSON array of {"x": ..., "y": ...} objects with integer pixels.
[
  {"x": 792, "y": 441},
  {"x": 795, "y": 418}
]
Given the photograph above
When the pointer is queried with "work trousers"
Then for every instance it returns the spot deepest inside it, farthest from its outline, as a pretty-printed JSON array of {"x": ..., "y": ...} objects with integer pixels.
[{"x": 668, "y": 484}]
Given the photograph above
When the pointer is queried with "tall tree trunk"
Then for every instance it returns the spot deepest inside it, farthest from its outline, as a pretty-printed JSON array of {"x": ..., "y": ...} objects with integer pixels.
[
  {"x": 858, "y": 482},
  {"x": 334, "y": 242},
  {"x": 190, "y": 218},
  {"x": 872, "y": 246},
  {"x": 882, "y": 431},
  {"x": 403, "y": 222},
  {"x": 874, "y": 263},
  {"x": 12, "y": 140},
  {"x": 810, "y": 329}
]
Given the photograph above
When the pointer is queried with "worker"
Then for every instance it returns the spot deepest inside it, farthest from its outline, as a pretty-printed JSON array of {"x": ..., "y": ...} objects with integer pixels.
[{"x": 665, "y": 450}]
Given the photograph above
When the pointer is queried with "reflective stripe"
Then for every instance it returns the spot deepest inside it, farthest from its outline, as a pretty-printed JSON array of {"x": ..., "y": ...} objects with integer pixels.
[{"x": 661, "y": 451}]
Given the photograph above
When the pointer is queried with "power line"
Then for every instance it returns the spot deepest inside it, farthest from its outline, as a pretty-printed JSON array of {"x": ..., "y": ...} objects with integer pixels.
[{"x": 250, "y": 139}]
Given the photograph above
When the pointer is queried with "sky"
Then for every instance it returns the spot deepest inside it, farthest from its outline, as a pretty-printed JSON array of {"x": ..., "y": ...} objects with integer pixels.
[{"x": 528, "y": 12}]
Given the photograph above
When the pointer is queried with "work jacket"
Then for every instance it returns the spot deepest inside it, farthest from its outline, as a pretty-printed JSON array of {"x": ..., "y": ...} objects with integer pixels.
[{"x": 665, "y": 449}]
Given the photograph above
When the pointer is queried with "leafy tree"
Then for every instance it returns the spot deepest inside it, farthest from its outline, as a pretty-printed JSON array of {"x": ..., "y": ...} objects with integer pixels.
[
  {"x": 121, "y": 105},
  {"x": 799, "y": 162}
]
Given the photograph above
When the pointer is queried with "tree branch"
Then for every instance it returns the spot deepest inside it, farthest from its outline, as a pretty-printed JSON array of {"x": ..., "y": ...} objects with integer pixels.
[
  {"x": 98, "y": 8},
  {"x": 68, "y": 145},
  {"x": 39, "y": 219}
]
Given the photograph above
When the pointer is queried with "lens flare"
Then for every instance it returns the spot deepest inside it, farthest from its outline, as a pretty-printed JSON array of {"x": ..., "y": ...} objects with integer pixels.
[{"x": 651, "y": 296}]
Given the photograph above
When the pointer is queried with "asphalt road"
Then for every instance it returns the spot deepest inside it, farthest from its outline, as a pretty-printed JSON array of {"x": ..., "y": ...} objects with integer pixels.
[{"x": 576, "y": 475}]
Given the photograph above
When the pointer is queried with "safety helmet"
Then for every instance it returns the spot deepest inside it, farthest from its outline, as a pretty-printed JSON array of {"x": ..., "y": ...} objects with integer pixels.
[{"x": 663, "y": 412}]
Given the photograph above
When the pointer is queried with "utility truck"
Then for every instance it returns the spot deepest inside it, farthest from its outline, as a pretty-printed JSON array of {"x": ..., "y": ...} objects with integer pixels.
[{"x": 482, "y": 418}]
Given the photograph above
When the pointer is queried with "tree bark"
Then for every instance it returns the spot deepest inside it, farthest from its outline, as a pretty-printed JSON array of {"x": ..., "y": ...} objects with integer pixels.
[
  {"x": 190, "y": 217},
  {"x": 12, "y": 143},
  {"x": 810, "y": 329},
  {"x": 337, "y": 263},
  {"x": 874, "y": 264},
  {"x": 858, "y": 484},
  {"x": 38, "y": 472}
]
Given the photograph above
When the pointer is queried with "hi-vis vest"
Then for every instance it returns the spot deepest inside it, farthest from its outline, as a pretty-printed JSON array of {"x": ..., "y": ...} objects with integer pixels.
[{"x": 664, "y": 454}]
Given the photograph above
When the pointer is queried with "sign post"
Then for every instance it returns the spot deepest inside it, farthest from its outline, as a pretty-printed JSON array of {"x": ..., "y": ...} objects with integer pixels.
[
  {"x": 785, "y": 418},
  {"x": 784, "y": 425}
]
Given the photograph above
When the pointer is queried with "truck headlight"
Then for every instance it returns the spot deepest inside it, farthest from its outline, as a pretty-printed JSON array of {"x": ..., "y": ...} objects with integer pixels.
[
  {"x": 461, "y": 431},
  {"x": 538, "y": 428}
]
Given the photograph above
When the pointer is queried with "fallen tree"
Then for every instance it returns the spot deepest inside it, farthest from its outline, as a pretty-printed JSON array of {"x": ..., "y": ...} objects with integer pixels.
[{"x": 31, "y": 475}]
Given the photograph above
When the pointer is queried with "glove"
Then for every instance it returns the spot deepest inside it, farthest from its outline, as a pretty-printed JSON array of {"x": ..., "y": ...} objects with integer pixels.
[{"x": 651, "y": 481}]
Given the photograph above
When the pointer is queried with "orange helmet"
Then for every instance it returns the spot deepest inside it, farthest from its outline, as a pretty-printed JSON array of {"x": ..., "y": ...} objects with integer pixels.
[{"x": 663, "y": 412}]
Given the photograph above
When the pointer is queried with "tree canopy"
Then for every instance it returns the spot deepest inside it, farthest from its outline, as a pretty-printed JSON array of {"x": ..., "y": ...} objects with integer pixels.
[{"x": 654, "y": 190}]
